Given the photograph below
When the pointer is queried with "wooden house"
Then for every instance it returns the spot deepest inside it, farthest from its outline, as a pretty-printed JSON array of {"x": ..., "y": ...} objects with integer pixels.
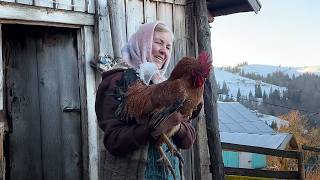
[
  {"x": 47, "y": 89},
  {"x": 238, "y": 125}
]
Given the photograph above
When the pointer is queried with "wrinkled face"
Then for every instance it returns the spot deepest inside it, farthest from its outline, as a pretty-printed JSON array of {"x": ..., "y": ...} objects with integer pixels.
[{"x": 161, "y": 47}]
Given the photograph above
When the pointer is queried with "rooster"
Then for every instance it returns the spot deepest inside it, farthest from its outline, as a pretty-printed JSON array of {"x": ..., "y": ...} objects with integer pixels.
[{"x": 182, "y": 92}]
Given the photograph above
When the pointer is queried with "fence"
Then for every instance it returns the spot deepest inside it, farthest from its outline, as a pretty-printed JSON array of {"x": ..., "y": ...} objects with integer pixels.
[
  {"x": 266, "y": 173},
  {"x": 312, "y": 162}
]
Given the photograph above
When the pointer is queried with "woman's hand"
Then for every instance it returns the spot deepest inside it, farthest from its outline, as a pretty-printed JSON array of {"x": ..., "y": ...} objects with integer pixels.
[{"x": 173, "y": 121}]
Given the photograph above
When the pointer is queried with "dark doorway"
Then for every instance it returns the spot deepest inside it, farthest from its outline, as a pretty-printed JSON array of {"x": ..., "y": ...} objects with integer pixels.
[{"x": 43, "y": 103}]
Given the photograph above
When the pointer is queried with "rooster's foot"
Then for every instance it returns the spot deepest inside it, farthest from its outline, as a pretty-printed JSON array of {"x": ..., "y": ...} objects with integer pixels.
[{"x": 166, "y": 162}]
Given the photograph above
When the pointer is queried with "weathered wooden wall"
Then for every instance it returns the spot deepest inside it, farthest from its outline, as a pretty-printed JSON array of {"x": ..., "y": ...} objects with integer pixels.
[
  {"x": 125, "y": 18},
  {"x": 87, "y": 6}
]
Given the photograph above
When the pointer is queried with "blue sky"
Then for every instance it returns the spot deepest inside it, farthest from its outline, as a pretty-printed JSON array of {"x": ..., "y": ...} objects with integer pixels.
[{"x": 284, "y": 32}]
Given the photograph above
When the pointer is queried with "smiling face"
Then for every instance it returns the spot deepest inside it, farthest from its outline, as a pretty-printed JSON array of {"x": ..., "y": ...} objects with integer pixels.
[{"x": 161, "y": 47}]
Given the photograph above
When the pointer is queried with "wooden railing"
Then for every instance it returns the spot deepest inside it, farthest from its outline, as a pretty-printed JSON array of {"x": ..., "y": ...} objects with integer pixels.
[{"x": 266, "y": 173}]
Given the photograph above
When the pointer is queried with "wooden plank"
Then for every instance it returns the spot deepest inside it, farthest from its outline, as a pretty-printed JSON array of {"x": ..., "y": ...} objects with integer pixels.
[
  {"x": 83, "y": 99},
  {"x": 150, "y": 11},
  {"x": 180, "y": 2},
  {"x": 117, "y": 26},
  {"x": 23, "y": 103},
  {"x": 22, "y": 22},
  {"x": 1, "y": 74},
  {"x": 301, "y": 166},
  {"x": 63, "y": 4},
  {"x": 50, "y": 117},
  {"x": 8, "y": 0},
  {"x": 27, "y": 2},
  {"x": 179, "y": 24},
  {"x": 91, "y": 6},
  {"x": 187, "y": 167},
  {"x": 2, "y": 139},
  {"x": 79, "y": 5},
  {"x": 309, "y": 148},
  {"x": 210, "y": 97},
  {"x": 65, "y": 54},
  {"x": 165, "y": 14},
  {"x": 260, "y": 150},
  {"x": 31, "y": 13},
  {"x": 163, "y": 1},
  {"x": 262, "y": 173},
  {"x": 88, "y": 49},
  {"x": 134, "y": 14},
  {"x": 177, "y": 2},
  {"x": 103, "y": 41},
  {"x": 43, "y": 3},
  {"x": 190, "y": 30},
  {"x": 201, "y": 151}
]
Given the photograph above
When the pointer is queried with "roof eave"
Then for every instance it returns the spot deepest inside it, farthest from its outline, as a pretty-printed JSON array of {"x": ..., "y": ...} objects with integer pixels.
[
  {"x": 256, "y": 5},
  {"x": 233, "y": 7}
]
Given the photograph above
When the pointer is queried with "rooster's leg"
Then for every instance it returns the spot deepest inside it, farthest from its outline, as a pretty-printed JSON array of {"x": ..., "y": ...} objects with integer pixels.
[
  {"x": 166, "y": 161},
  {"x": 171, "y": 147}
]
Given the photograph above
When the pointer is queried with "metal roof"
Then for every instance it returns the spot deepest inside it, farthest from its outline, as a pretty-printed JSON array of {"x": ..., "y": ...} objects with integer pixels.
[
  {"x": 238, "y": 125},
  {"x": 225, "y": 7},
  {"x": 234, "y": 117},
  {"x": 272, "y": 141}
]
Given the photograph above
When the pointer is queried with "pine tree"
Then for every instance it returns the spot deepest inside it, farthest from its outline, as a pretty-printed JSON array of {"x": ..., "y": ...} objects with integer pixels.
[
  {"x": 258, "y": 91},
  {"x": 238, "y": 95},
  {"x": 265, "y": 96},
  {"x": 250, "y": 95},
  {"x": 225, "y": 89}
]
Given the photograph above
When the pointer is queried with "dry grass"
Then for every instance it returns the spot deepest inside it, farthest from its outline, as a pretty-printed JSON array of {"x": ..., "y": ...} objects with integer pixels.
[{"x": 313, "y": 175}]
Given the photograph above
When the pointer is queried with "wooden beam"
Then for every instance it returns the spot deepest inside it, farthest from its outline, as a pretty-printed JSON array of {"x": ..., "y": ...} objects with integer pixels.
[
  {"x": 262, "y": 173},
  {"x": 210, "y": 97},
  {"x": 41, "y": 14},
  {"x": 261, "y": 150},
  {"x": 88, "y": 50},
  {"x": 301, "y": 166},
  {"x": 309, "y": 148},
  {"x": 1, "y": 72},
  {"x": 177, "y": 2},
  {"x": 83, "y": 100},
  {"x": 103, "y": 41},
  {"x": 117, "y": 26},
  {"x": 35, "y": 23}
]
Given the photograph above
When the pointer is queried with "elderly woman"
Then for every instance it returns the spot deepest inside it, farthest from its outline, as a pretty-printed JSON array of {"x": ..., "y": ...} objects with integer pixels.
[{"x": 131, "y": 152}]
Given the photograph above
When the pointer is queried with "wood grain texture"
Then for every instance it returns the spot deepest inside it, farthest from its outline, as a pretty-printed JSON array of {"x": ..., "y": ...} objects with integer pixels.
[
  {"x": 134, "y": 14},
  {"x": 22, "y": 88},
  {"x": 88, "y": 48},
  {"x": 210, "y": 95},
  {"x": 31, "y": 13},
  {"x": 1, "y": 74},
  {"x": 117, "y": 26},
  {"x": 45, "y": 85},
  {"x": 43, "y": 3}
]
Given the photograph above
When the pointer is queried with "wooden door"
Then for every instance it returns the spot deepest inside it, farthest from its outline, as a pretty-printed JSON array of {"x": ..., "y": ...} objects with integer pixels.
[
  {"x": 43, "y": 103},
  {"x": 245, "y": 160}
]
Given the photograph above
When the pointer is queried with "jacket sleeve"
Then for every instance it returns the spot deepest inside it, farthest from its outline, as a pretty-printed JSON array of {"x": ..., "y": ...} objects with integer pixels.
[
  {"x": 120, "y": 138},
  {"x": 185, "y": 137}
]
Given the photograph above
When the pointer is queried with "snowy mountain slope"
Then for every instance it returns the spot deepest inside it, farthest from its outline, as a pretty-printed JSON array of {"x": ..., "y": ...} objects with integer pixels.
[
  {"x": 269, "y": 119},
  {"x": 245, "y": 85},
  {"x": 264, "y": 70}
]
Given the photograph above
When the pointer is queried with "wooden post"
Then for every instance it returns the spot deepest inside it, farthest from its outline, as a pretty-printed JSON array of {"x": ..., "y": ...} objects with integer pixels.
[
  {"x": 210, "y": 97},
  {"x": 301, "y": 166},
  {"x": 117, "y": 19}
]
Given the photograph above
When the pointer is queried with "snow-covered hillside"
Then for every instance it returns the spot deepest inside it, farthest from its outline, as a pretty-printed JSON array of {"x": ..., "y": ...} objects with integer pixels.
[
  {"x": 264, "y": 70},
  {"x": 269, "y": 119},
  {"x": 235, "y": 82}
]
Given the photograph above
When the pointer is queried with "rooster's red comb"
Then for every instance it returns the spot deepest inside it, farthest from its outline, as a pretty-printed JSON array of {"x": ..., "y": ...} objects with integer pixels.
[{"x": 205, "y": 63}]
